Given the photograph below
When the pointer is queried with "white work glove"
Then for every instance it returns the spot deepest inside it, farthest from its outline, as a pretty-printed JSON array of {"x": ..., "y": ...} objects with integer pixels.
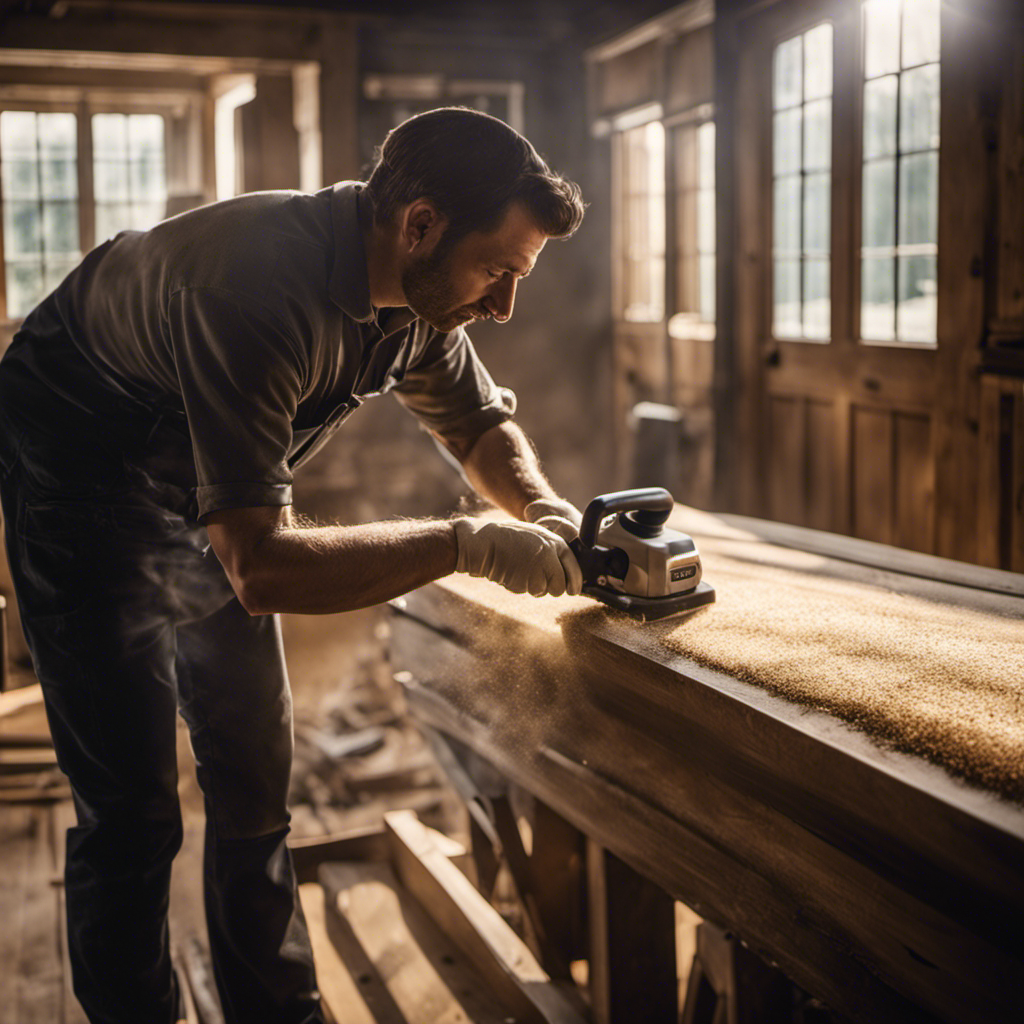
[
  {"x": 556, "y": 515},
  {"x": 522, "y": 557}
]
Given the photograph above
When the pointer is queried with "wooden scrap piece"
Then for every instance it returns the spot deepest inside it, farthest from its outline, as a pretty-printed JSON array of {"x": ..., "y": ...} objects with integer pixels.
[
  {"x": 501, "y": 957},
  {"x": 23, "y": 697},
  {"x": 406, "y": 969}
]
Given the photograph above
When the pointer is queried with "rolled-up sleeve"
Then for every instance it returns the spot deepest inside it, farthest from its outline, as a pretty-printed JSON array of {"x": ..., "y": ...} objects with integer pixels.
[
  {"x": 241, "y": 378},
  {"x": 450, "y": 391}
]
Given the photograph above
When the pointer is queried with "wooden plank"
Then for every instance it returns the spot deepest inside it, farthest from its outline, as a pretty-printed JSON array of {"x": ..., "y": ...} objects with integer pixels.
[
  {"x": 872, "y": 475},
  {"x": 309, "y": 852},
  {"x": 474, "y": 925},
  {"x": 20, "y": 760},
  {"x": 12, "y": 701},
  {"x": 418, "y": 974},
  {"x": 914, "y": 483},
  {"x": 632, "y": 954}
]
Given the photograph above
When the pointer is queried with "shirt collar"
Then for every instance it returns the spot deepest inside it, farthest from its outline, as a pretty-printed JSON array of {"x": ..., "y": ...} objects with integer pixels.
[{"x": 351, "y": 216}]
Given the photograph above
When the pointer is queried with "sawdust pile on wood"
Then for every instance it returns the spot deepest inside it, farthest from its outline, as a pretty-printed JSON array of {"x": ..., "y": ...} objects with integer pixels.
[{"x": 938, "y": 681}]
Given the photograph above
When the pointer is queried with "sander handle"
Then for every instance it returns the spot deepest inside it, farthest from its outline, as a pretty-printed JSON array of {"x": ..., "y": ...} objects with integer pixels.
[{"x": 656, "y": 502}]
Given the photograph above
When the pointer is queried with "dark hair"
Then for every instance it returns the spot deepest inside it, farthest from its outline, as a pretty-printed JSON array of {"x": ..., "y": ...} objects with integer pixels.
[{"x": 472, "y": 167}]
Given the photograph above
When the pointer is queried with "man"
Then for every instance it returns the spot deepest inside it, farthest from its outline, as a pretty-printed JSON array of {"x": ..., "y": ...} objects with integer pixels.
[{"x": 152, "y": 411}]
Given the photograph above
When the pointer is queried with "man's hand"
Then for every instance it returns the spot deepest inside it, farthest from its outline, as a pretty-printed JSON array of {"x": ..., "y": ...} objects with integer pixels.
[
  {"x": 557, "y": 515},
  {"x": 522, "y": 557}
]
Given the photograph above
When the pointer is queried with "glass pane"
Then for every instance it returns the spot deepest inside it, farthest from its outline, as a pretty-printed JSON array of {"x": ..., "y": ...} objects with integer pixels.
[
  {"x": 57, "y": 135},
  {"x": 655, "y": 157},
  {"x": 878, "y": 307},
  {"x": 18, "y": 133},
  {"x": 55, "y": 272},
  {"x": 788, "y": 90},
  {"x": 59, "y": 179},
  {"x": 109, "y": 136},
  {"x": 818, "y": 62},
  {"x": 879, "y": 206},
  {"x": 686, "y": 161},
  {"x": 111, "y": 218},
  {"x": 20, "y": 179},
  {"x": 919, "y": 108},
  {"x": 706, "y": 220},
  {"x": 786, "y": 216},
  {"x": 880, "y": 117},
  {"x": 919, "y": 198},
  {"x": 60, "y": 228},
  {"x": 818, "y": 135},
  {"x": 145, "y": 215},
  {"x": 817, "y": 213},
  {"x": 915, "y": 314},
  {"x": 24, "y": 288},
  {"x": 706, "y": 149},
  {"x": 817, "y": 306},
  {"x": 146, "y": 180},
  {"x": 707, "y": 289},
  {"x": 881, "y": 37},
  {"x": 786, "y": 141},
  {"x": 920, "y": 32},
  {"x": 22, "y": 229},
  {"x": 145, "y": 136},
  {"x": 786, "y": 315},
  {"x": 110, "y": 179}
]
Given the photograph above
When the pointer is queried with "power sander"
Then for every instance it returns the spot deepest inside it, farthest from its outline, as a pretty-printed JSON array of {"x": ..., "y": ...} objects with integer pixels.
[{"x": 632, "y": 562}]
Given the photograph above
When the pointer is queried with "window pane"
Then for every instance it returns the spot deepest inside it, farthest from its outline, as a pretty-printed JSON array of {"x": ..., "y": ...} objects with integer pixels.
[
  {"x": 60, "y": 228},
  {"x": 880, "y": 117},
  {"x": 817, "y": 307},
  {"x": 110, "y": 179},
  {"x": 707, "y": 289},
  {"x": 879, "y": 206},
  {"x": 686, "y": 156},
  {"x": 919, "y": 108},
  {"x": 818, "y": 135},
  {"x": 881, "y": 37},
  {"x": 817, "y": 213},
  {"x": 919, "y": 194},
  {"x": 55, "y": 272},
  {"x": 18, "y": 133},
  {"x": 818, "y": 62},
  {"x": 145, "y": 136},
  {"x": 146, "y": 180},
  {"x": 920, "y": 32},
  {"x": 59, "y": 179},
  {"x": 24, "y": 287},
  {"x": 788, "y": 86},
  {"x": 786, "y": 141},
  {"x": 145, "y": 215},
  {"x": 111, "y": 218},
  {"x": 22, "y": 229},
  {"x": 706, "y": 221},
  {"x": 787, "y": 299},
  {"x": 57, "y": 136},
  {"x": 786, "y": 234},
  {"x": 109, "y": 136},
  {"x": 916, "y": 311},
  {"x": 878, "y": 307},
  {"x": 20, "y": 178},
  {"x": 706, "y": 149}
]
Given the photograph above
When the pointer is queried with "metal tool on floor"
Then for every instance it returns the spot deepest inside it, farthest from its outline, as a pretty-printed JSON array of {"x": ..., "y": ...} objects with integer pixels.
[{"x": 632, "y": 562}]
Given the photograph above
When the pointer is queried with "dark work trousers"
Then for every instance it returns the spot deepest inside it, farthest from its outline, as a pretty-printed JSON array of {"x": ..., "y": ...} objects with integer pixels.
[{"x": 129, "y": 618}]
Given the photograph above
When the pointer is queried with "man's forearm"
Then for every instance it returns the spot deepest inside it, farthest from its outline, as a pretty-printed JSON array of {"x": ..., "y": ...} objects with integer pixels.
[{"x": 502, "y": 467}]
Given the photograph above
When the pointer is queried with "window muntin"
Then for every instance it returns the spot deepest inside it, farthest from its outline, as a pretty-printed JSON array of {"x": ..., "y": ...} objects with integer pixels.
[
  {"x": 39, "y": 166},
  {"x": 641, "y": 164},
  {"x": 802, "y": 185},
  {"x": 900, "y": 174}
]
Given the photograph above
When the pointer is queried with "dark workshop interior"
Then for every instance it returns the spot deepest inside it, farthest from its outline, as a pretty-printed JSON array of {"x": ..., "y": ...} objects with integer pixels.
[{"x": 796, "y": 302}]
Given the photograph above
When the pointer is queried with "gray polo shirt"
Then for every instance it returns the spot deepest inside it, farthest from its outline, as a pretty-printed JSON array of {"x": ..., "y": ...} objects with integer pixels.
[{"x": 252, "y": 317}]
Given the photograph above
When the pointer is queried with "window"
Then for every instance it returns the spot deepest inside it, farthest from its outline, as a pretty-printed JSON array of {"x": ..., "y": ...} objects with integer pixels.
[
  {"x": 695, "y": 230},
  {"x": 640, "y": 158},
  {"x": 39, "y": 154},
  {"x": 900, "y": 183},
  {"x": 802, "y": 185},
  {"x": 43, "y": 186}
]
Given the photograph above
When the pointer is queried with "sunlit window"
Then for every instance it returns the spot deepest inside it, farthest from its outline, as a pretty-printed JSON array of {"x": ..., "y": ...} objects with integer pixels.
[
  {"x": 802, "y": 185},
  {"x": 128, "y": 172},
  {"x": 39, "y": 162},
  {"x": 640, "y": 155},
  {"x": 695, "y": 229},
  {"x": 899, "y": 231}
]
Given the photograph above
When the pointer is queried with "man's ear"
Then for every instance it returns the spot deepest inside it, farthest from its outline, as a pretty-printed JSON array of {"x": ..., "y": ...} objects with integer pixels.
[{"x": 422, "y": 226}]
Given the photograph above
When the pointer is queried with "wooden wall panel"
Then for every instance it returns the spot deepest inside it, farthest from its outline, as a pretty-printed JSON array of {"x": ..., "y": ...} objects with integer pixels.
[
  {"x": 630, "y": 79},
  {"x": 690, "y": 79},
  {"x": 872, "y": 462},
  {"x": 1001, "y": 474},
  {"x": 787, "y": 450},
  {"x": 914, "y": 470},
  {"x": 821, "y": 461}
]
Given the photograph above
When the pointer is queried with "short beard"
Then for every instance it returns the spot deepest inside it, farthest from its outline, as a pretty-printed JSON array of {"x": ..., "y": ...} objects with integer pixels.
[{"x": 430, "y": 293}]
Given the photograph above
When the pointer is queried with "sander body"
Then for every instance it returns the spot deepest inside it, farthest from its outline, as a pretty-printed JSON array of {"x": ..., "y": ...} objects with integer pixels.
[{"x": 631, "y": 561}]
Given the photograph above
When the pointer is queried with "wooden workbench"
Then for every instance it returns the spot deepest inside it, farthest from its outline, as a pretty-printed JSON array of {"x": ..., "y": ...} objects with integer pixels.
[{"x": 880, "y": 882}]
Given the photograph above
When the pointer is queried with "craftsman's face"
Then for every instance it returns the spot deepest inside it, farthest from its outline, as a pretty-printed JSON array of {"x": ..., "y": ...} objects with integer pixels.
[{"x": 475, "y": 280}]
